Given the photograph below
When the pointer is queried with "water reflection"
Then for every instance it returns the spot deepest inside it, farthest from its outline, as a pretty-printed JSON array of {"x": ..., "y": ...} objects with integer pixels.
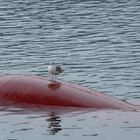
[{"x": 54, "y": 123}]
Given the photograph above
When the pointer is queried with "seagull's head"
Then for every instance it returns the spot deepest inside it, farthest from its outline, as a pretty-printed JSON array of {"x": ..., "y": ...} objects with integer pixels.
[{"x": 52, "y": 63}]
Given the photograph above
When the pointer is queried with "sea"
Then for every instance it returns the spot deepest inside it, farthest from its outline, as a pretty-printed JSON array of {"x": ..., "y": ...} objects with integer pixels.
[{"x": 96, "y": 42}]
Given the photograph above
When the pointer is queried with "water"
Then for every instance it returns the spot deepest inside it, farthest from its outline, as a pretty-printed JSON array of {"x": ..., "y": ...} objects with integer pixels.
[{"x": 97, "y": 43}]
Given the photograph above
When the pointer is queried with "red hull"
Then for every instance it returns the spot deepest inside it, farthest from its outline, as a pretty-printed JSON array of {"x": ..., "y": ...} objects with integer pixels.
[{"x": 39, "y": 90}]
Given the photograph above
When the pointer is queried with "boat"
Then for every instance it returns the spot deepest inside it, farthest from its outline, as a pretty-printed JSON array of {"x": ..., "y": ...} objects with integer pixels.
[{"x": 39, "y": 90}]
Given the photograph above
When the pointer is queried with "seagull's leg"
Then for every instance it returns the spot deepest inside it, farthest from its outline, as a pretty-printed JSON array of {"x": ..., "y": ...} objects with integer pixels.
[
  {"x": 55, "y": 77},
  {"x": 52, "y": 78}
]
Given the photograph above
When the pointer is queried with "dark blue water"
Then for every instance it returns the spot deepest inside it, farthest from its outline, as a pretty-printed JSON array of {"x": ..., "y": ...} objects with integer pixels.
[{"x": 96, "y": 42}]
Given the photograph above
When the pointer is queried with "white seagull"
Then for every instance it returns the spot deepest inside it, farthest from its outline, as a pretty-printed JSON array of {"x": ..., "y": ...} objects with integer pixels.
[{"x": 54, "y": 70}]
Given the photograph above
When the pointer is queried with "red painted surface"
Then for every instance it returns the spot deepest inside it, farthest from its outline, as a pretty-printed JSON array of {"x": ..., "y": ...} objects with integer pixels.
[{"x": 38, "y": 90}]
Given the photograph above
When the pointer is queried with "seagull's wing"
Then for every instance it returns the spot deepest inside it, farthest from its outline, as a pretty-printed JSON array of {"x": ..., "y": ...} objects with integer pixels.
[{"x": 49, "y": 68}]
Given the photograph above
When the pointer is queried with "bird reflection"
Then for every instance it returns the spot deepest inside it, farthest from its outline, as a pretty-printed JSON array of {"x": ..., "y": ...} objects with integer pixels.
[
  {"x": 54, "y": 123},
  {"x": 54, "y": 86}
]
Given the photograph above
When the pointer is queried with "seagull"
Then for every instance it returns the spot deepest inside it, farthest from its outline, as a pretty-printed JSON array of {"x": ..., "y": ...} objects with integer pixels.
[{"x": 54, "y": 70}]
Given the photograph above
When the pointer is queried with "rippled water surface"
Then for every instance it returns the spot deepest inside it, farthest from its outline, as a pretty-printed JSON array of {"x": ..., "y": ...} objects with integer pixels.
[{"x": 97, "y": 42}]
